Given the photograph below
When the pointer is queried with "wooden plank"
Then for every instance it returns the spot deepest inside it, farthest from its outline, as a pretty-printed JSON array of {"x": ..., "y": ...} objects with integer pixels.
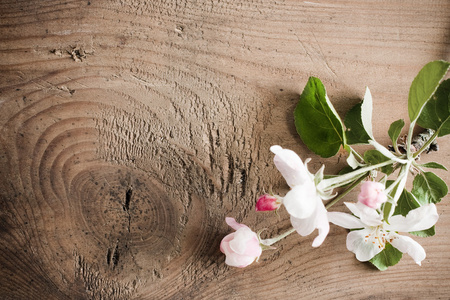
[{"x": 130, "y": 129}]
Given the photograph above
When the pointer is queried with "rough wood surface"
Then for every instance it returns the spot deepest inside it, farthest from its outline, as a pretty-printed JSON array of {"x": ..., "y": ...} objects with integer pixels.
[{"x": 129, "y": 129}]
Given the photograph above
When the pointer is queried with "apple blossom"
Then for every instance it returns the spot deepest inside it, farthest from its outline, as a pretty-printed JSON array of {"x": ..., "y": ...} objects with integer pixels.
[
  {"x": 268, "y": 202},
  {"x": 374, "y": 233},
  {"x": 372, "y": 194},
  {"x": 374, "y": 220},
  {"x": 302, "y": 202},
  {"x": 241, "y": 247}
]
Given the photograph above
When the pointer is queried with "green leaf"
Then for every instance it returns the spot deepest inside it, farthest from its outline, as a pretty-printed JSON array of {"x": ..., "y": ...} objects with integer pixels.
[
  {"x": 317, "y": 122},
  {"x": 429, "y": 188},
  {"x": 374, "y": 157},
  {"x": 433, "y": 165},
  {"x": 394, "y": 131},
  {"x": 436, "y": 113},
  {"x": 425, "y": 233},
  {"x": 424, "y": 86},
  {"x": 355, "y": 132},
  {"x": 406, "y": 203},
  {"x": 358, "y": 121},
  {"x": 388, "y": 257}
]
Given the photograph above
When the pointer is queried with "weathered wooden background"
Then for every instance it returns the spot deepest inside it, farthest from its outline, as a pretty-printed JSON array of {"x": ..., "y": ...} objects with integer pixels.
[{"x": 129, "y": 129}]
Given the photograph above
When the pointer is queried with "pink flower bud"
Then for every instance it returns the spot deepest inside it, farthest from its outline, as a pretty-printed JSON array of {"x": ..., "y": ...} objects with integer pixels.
[
  {"x": 268, "y": 202},
  {"x": 372, "y": 194},
  {"x": 241, "y": 247}
]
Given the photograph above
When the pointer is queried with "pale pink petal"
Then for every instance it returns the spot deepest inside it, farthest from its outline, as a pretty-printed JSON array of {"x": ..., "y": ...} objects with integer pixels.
[
  {"x": 253, "y": 247},
  {"x": 345, "y": 220},
  {"x": 234, "y": 259},
  {"x": 372, "y": 194},
  {"x": 241, "y": 247},
  {"x": 364, "y": 248},
  {"x": 224, "y": 244},
  {"x": 241, "y": 238},
  {"x": 248, "y": 244},
  {"x": 417, "y": 219},
  {"x": 407, "y": 245},
  {"x": 239, "y": 261},
  {"x": 301, "y": 201},
  {"x": 233, "y": 224},
  {"x": 290, "y": 166}
]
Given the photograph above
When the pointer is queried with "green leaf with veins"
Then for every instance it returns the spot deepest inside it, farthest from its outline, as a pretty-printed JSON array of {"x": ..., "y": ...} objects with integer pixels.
[
  {"x": 406, "y": 203},
  {"x": 374, "y": 157},
  {"x": 317, "y": 122},
  {"x": 388, "y": 257},
  {"x": 425, "y": 233},
  {"x": 429, "y": 188},
  {"x": 355, "y": 132},
  {"x": 433, "y": 165},
  {"x": 394, "y": 131},
  {"x": 436, "y": 113},
  {"x": 424, "y": 85}
]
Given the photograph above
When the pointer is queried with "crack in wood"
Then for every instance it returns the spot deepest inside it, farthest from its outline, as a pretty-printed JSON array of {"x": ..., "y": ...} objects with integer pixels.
[
  {"x": 126, "y": 205},
  {"x": 108, "y": 257},
  {"x": 128, "y": 196},
  {"x": 113, "y": 256}
]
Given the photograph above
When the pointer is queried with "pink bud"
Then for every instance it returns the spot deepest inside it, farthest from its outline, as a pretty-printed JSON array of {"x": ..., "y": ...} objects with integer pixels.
[
  {"x": 268, "y": 202},
  {"x": 372, "y": 194}
]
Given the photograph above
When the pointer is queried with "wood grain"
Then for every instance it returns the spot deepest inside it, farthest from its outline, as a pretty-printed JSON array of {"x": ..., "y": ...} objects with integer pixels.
[{"x": 130, "y": 129}]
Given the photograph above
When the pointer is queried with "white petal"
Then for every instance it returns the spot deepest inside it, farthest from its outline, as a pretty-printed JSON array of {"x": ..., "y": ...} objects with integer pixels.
[
  {"x": 366, "y": 112},
  {"x": 303, "y": 227},
  {"x": 345, "y": 220},
  {"x": 420, "y": 218},
  {"x": 369, "y": 216},
  {"x": 290, "y": 166},
  {"x": 410, "y": 246},
  {"x": 356, "y": 210},
  {"x": 317, "y": 220},
  {"x": 321, "y": 224},
  {"x": 363, "y": 248},
  {"x": 301, "y": 201},
  {"x": 352, "y": 161}
]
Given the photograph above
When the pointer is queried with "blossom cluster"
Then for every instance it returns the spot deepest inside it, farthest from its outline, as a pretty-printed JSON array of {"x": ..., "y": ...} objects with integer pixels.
[{"x": 384, "y": 214}]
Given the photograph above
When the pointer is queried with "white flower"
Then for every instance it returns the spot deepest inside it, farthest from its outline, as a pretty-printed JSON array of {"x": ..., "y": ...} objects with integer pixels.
[
  {"x": 376, "y": 233},
  {"x": 302, "y": 202}
]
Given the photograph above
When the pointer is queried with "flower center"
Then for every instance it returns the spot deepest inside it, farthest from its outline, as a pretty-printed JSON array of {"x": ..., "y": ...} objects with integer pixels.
[{"x": 378, "y": 237}]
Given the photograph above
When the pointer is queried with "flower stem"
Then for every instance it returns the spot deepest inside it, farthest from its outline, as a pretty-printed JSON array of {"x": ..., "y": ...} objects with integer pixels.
[
  {"x": 409, "y": 139},
  {"x": 269, "y": 242},
  {"x": 344, "y": 193},
  {"x": 331, "y": 183}
]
